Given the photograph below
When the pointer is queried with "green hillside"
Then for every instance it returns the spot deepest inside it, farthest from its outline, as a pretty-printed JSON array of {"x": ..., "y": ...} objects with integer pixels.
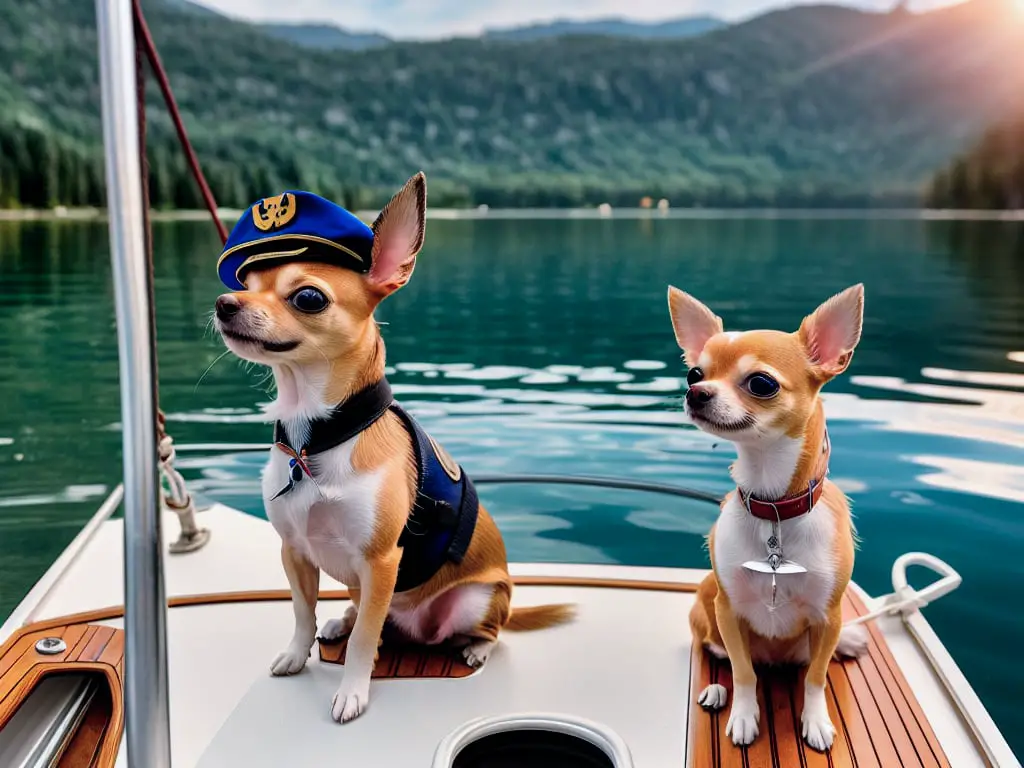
[
  {"x": 331, "y": 37},
  {"x": 676, "y": 29},
  {"x": 989, "y": 176},
  {"x": 324, "y": 36},
  {"x": 813, "y": 105}
]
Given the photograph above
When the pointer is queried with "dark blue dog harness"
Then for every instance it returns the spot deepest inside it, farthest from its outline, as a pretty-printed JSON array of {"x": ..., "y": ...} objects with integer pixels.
[{"x": 443, "y": 516}]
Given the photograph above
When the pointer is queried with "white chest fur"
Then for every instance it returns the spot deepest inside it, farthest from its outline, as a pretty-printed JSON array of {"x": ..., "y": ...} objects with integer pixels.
[
  {"x": 330, "y": 522},
  {"x": 808, "y": 540}
]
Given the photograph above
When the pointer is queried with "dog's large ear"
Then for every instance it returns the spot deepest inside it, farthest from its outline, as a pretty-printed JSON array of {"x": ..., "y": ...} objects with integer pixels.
[
  {"x": 832, "y": 331},
  {"x": 398, "y": 236},
  {"x": 692, "y": 322}
]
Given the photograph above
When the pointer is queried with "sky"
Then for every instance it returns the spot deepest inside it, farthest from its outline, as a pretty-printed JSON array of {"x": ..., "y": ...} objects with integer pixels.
[{"x": 427, "y": 19}]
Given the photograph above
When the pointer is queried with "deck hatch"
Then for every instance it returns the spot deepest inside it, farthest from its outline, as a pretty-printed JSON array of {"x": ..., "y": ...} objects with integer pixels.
[{"x": 537, "y": 739}]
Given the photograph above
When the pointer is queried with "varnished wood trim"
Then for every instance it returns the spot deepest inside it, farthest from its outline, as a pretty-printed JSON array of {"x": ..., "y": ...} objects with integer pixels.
[
  {"x": 90, "y": 648},
  {"x": 84, "y": 617},
  {"x": 273, "y": 595},
  {"x": 276, "y": 595},
  {"x": 604, "y": 583},
  {"x": 255, "y": 596}
]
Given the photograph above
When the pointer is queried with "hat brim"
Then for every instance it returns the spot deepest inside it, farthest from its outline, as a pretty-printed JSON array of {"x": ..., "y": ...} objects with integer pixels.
[{"x": 235, "y": 262}]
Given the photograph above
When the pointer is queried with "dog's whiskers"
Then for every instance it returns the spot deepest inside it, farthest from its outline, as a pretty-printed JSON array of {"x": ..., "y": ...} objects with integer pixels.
[
  {"x": 216, "y": 360},
  {"x": 269, "y": 377}
]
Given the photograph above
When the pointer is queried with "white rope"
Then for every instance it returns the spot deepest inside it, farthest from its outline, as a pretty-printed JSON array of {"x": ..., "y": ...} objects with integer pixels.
[
  {"x": 178, "y": 490},
  {"x": 912, "y": 602},
  {"x": 179, "y": 501},
  {"x": 904, "y": 598}
]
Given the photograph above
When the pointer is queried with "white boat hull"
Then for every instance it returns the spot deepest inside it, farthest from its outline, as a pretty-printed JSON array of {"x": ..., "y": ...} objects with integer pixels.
[{"x": 624, "y": 664}]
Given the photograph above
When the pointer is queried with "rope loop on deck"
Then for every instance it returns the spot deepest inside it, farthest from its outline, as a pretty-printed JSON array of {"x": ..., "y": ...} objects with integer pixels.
[{"x": 177, "y": 499}]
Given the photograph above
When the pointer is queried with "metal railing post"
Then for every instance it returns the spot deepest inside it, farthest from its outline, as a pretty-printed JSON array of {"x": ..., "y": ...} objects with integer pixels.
[{"x": 147, "y": 717}]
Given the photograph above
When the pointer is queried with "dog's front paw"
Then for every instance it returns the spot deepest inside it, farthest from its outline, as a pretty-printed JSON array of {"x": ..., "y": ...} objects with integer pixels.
[
  {"x": 477, "y": 653},
  {"x": 713, "y": 697},
  {"x": 818, "y": 730},
  {"x": 290, "y": 661},
  {"x": 349, "y": 702},
  {"x": 336, "y": 629},
  {"x": 744, "y": 716}
]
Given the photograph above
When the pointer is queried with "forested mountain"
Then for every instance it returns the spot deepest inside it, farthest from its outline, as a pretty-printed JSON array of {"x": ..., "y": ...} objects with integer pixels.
[
  {"x": 989, "y": 176},
  {"x": 813, "y": 105},
  {"x": 325, "y": 36},
  {"x": 309, "y": 35},
  {"x": 676, "y": 29},
  {"x": 333, "y": 37}
]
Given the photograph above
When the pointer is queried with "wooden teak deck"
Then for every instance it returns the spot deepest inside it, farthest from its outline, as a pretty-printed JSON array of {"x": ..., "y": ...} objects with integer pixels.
[
  {"x": 879, "y": 723},
  {"x": 399, "y": 660}
]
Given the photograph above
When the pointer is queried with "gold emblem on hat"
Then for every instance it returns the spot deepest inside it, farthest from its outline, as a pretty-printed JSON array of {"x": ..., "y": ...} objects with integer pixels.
[
  {"x": 274, "y": 211},
  {"x": 453, "y": 470}
]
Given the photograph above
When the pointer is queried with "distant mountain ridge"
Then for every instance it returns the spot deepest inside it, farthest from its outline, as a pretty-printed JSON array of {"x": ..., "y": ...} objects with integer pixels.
[
  {"x": 330, "y": 37},
  {"x": 325, "y": 36},
  {"x": 811, "y": 105},
  {"x": 189, "y": 7},
  {"x": 675, "y": 29}
]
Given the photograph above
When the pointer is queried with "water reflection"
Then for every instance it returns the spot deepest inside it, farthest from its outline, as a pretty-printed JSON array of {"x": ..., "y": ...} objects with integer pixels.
[{"x": 545, "y": 347}]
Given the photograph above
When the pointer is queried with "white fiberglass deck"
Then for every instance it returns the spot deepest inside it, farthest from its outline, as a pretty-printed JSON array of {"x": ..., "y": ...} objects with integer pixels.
[{"x": 624, "y": 663}]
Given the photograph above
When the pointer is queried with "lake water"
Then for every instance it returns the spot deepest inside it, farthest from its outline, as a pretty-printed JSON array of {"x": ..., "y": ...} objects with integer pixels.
[{"x": 545, "y": 346}]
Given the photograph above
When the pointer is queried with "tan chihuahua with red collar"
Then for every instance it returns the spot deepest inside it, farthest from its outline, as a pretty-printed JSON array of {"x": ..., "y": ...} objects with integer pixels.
[
  {"x": 783, "y": 546},
  {"x": 353, "y": 486}
]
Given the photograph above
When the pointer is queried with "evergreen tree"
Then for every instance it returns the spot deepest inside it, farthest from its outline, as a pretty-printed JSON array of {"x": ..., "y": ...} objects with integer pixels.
[{"x": 989, "y": 176}]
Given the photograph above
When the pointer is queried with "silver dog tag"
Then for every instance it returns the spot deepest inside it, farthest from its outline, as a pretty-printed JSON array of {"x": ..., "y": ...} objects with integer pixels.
[{"x": 775, "y": 562}]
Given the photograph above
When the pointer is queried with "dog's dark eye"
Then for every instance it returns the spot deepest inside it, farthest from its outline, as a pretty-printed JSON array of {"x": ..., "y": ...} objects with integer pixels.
[
  {"x": 695, "y": 375},
  {"x": 762, "y": 385},
  {"x": 309, "y": 300}
]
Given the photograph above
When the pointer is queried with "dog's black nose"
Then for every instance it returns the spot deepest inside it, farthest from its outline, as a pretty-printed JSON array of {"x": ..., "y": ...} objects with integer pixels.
[
  {"x": 699, "y": 395},
  {"x": 227, "y": 307}
]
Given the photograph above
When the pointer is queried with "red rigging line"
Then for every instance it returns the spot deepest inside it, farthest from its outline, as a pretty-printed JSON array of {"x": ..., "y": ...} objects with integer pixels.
[
  {"x": 144, "y": 45},
  {"x": 176, "y": 497},
  {"x": 144, "y": 40}
]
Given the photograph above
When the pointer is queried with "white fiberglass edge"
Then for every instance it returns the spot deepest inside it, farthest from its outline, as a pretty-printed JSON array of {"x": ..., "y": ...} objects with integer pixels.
[
  {"x": 30, "y": 606},
  {"x": 982, "y": 727}
]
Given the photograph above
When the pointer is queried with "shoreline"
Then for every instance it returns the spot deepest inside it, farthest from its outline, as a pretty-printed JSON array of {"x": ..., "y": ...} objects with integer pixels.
[{"x": 231, "y": 214}]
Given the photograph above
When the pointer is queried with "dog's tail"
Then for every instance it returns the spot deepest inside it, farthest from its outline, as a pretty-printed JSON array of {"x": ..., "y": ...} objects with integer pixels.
[{"x": 540, "y": 617}]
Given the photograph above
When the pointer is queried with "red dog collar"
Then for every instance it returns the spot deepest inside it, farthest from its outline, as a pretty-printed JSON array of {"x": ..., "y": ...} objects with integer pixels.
[
  {"x": 785, "y": 508},
  {"x": 789, "y": 507}
]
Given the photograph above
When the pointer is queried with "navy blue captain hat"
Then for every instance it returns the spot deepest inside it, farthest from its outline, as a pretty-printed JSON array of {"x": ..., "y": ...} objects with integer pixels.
[{"x": 294, "y": 226}]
